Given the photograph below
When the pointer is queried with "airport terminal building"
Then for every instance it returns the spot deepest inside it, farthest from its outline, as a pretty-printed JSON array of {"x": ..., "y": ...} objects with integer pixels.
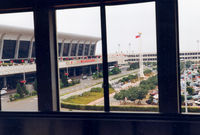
[
  {"x": 18, "y": 43},
  {"x": 17, "y": 47}
]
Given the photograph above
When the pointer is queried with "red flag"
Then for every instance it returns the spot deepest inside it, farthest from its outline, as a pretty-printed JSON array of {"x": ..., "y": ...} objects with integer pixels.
[
  {"x": 23, "y": 81},
  {"x": 139, "y": 35}
]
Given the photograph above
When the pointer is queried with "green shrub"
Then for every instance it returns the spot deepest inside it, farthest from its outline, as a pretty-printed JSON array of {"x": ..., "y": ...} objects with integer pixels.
[
  {"x": 147, "y": 71},
  {"x": 11, "y": 97},
  {"x": 97, "y": 75},
  {"x": 17, "y": 96},
  {"x": 115, "y": 71},
  {"x": 75, "y": 81},
  {"x": 194, "y": 109},
  {"x": 129, "y": 78},
  {"x": 34, "y": 93},
  {"x": 97, "y": 89}
]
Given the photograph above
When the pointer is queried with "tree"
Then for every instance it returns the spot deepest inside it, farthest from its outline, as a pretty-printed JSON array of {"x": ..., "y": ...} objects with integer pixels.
[
  {"x": 182, "y": 99},
  {"x": 19, "y": 90},
  {"x": 141, "y": 94},
  {"x": 24, "y": 90},
  {"x": 150, "y": 101},
  {"x": 115, "y": 70},
  {"x": 188, "y": 83},
  {"x": 64, "y": 80},
  {"x": 147, "y": 71},
  {"x": 190, "y": 90},
  {"x": 182, "y": 67},
  {"x": 97, "y": 75},
  {"x": 188, "y": 64},
  {"x": 134, "y": 65},
  {"x": 132, "y": 93},
  {"x": 121, "y": 95}
]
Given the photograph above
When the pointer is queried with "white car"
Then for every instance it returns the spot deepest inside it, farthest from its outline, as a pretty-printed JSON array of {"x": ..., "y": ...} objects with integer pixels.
[
  {"x": 84, "y": 77},
  {"x": 3, "y": 91}
]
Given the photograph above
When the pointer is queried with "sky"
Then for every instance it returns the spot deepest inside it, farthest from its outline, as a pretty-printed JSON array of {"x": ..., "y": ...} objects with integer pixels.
[
  {"x": 123, "y": 24},
  {"x": 189, "y": 25}
]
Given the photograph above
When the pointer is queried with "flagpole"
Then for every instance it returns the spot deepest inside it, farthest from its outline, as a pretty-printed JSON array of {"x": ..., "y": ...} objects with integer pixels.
[{"x": 140, "y": 57}]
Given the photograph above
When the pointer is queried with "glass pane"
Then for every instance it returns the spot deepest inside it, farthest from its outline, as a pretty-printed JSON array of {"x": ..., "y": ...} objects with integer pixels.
[
  {"x": 189, "y": 32},
  {"x": 80, "y": 63},
  {"x": 132, "y": 57},
  {"x": 17, "y": 62}
]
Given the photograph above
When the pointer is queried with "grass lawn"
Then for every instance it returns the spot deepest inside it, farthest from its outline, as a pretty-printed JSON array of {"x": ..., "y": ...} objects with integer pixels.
[{"x": 86, "y": 97}]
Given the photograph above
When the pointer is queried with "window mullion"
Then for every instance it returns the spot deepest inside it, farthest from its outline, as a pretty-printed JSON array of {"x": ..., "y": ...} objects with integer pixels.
[
  {"x": 168, "y": 56},
  {"x": 46, "y": 55},
  {"x": 105, "y": 59}
]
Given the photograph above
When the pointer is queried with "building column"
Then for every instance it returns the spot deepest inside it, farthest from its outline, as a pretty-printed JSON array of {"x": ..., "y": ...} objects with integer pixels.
[
  {"x": 90, "y": 70},
  {"x": 17, "y": 46},
  {"x": 62, "y": 48},
  {"x": 77, "y": 48},
  {"x": 4, "y": 82},
  {"x": 74, "y": 72},
  {"x": 70, "y": 48},
  {"x": 95, "y": 48},
  {"x": 24, "y": 76},
  {"x": 84, "y": 44},
  {"x": 89, "y": 48},
  {"x": 1, "y": 44},
  {"x": 30, "y": 48}
]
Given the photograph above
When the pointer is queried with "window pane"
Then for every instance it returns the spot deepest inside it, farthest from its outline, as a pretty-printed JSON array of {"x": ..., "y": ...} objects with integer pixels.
[
  {"x": 80, "y": 61},
  {"x": 132, "y": 57},
  {"x": 17, "y": 63},
  {"x": 23, "y": 49},
  {"x": 189, "y": 31}
]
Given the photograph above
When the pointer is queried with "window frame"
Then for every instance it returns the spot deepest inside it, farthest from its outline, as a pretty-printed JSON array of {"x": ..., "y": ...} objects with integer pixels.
[{"x": 167, "y": 7}]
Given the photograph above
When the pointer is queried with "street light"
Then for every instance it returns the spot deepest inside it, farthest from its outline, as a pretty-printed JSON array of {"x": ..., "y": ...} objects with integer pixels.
[
  {"x": 185, "y": 91},
  {"x": 129, "y": 48}
]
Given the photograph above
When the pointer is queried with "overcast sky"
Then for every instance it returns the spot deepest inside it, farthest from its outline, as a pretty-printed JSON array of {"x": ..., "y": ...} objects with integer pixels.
[{"x": 123, "y": 24}]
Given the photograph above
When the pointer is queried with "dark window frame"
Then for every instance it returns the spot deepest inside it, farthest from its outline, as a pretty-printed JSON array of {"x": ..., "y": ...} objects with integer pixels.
[{"x": 163, "y": 13}]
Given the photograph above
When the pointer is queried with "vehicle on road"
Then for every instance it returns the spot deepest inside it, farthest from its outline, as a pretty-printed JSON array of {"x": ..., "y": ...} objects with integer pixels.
[{"x": 84, "y": 77}]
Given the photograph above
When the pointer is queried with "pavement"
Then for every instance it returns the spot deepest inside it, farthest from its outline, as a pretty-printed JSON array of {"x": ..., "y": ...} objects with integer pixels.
[{"x": 31, "y": 103}]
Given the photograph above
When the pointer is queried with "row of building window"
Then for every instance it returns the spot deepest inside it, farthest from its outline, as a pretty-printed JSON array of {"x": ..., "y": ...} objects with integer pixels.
[{"x": 9, "y": 49}]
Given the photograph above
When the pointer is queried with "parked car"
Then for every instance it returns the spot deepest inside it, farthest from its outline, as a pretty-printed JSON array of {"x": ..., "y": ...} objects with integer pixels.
[
  {"x": 84, "y": 77},
  {"x": 3, "y": 91}
]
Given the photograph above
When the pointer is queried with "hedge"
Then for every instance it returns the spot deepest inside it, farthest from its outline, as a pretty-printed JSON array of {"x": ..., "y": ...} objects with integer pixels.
[
  {"x": 191, "y": 109},
  {"x": 112, "y": 108},
  {"x": 121, "y": 108}
]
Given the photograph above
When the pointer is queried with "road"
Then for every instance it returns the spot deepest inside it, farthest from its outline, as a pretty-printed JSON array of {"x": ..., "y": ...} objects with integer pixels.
[{"x": 30, "y": 104}]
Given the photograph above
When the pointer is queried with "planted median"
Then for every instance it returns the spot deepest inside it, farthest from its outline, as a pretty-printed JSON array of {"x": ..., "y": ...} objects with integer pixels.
[{"x": 87, "y": 97}]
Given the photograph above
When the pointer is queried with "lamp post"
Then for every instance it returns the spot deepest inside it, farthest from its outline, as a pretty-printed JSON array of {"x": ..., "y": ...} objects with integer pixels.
[
  {"x": 129, "y": 48},
  {"x": 198, "y": 49},
  {"x": 185, "y": 88},
  {"x": 118, "y": 49}
]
